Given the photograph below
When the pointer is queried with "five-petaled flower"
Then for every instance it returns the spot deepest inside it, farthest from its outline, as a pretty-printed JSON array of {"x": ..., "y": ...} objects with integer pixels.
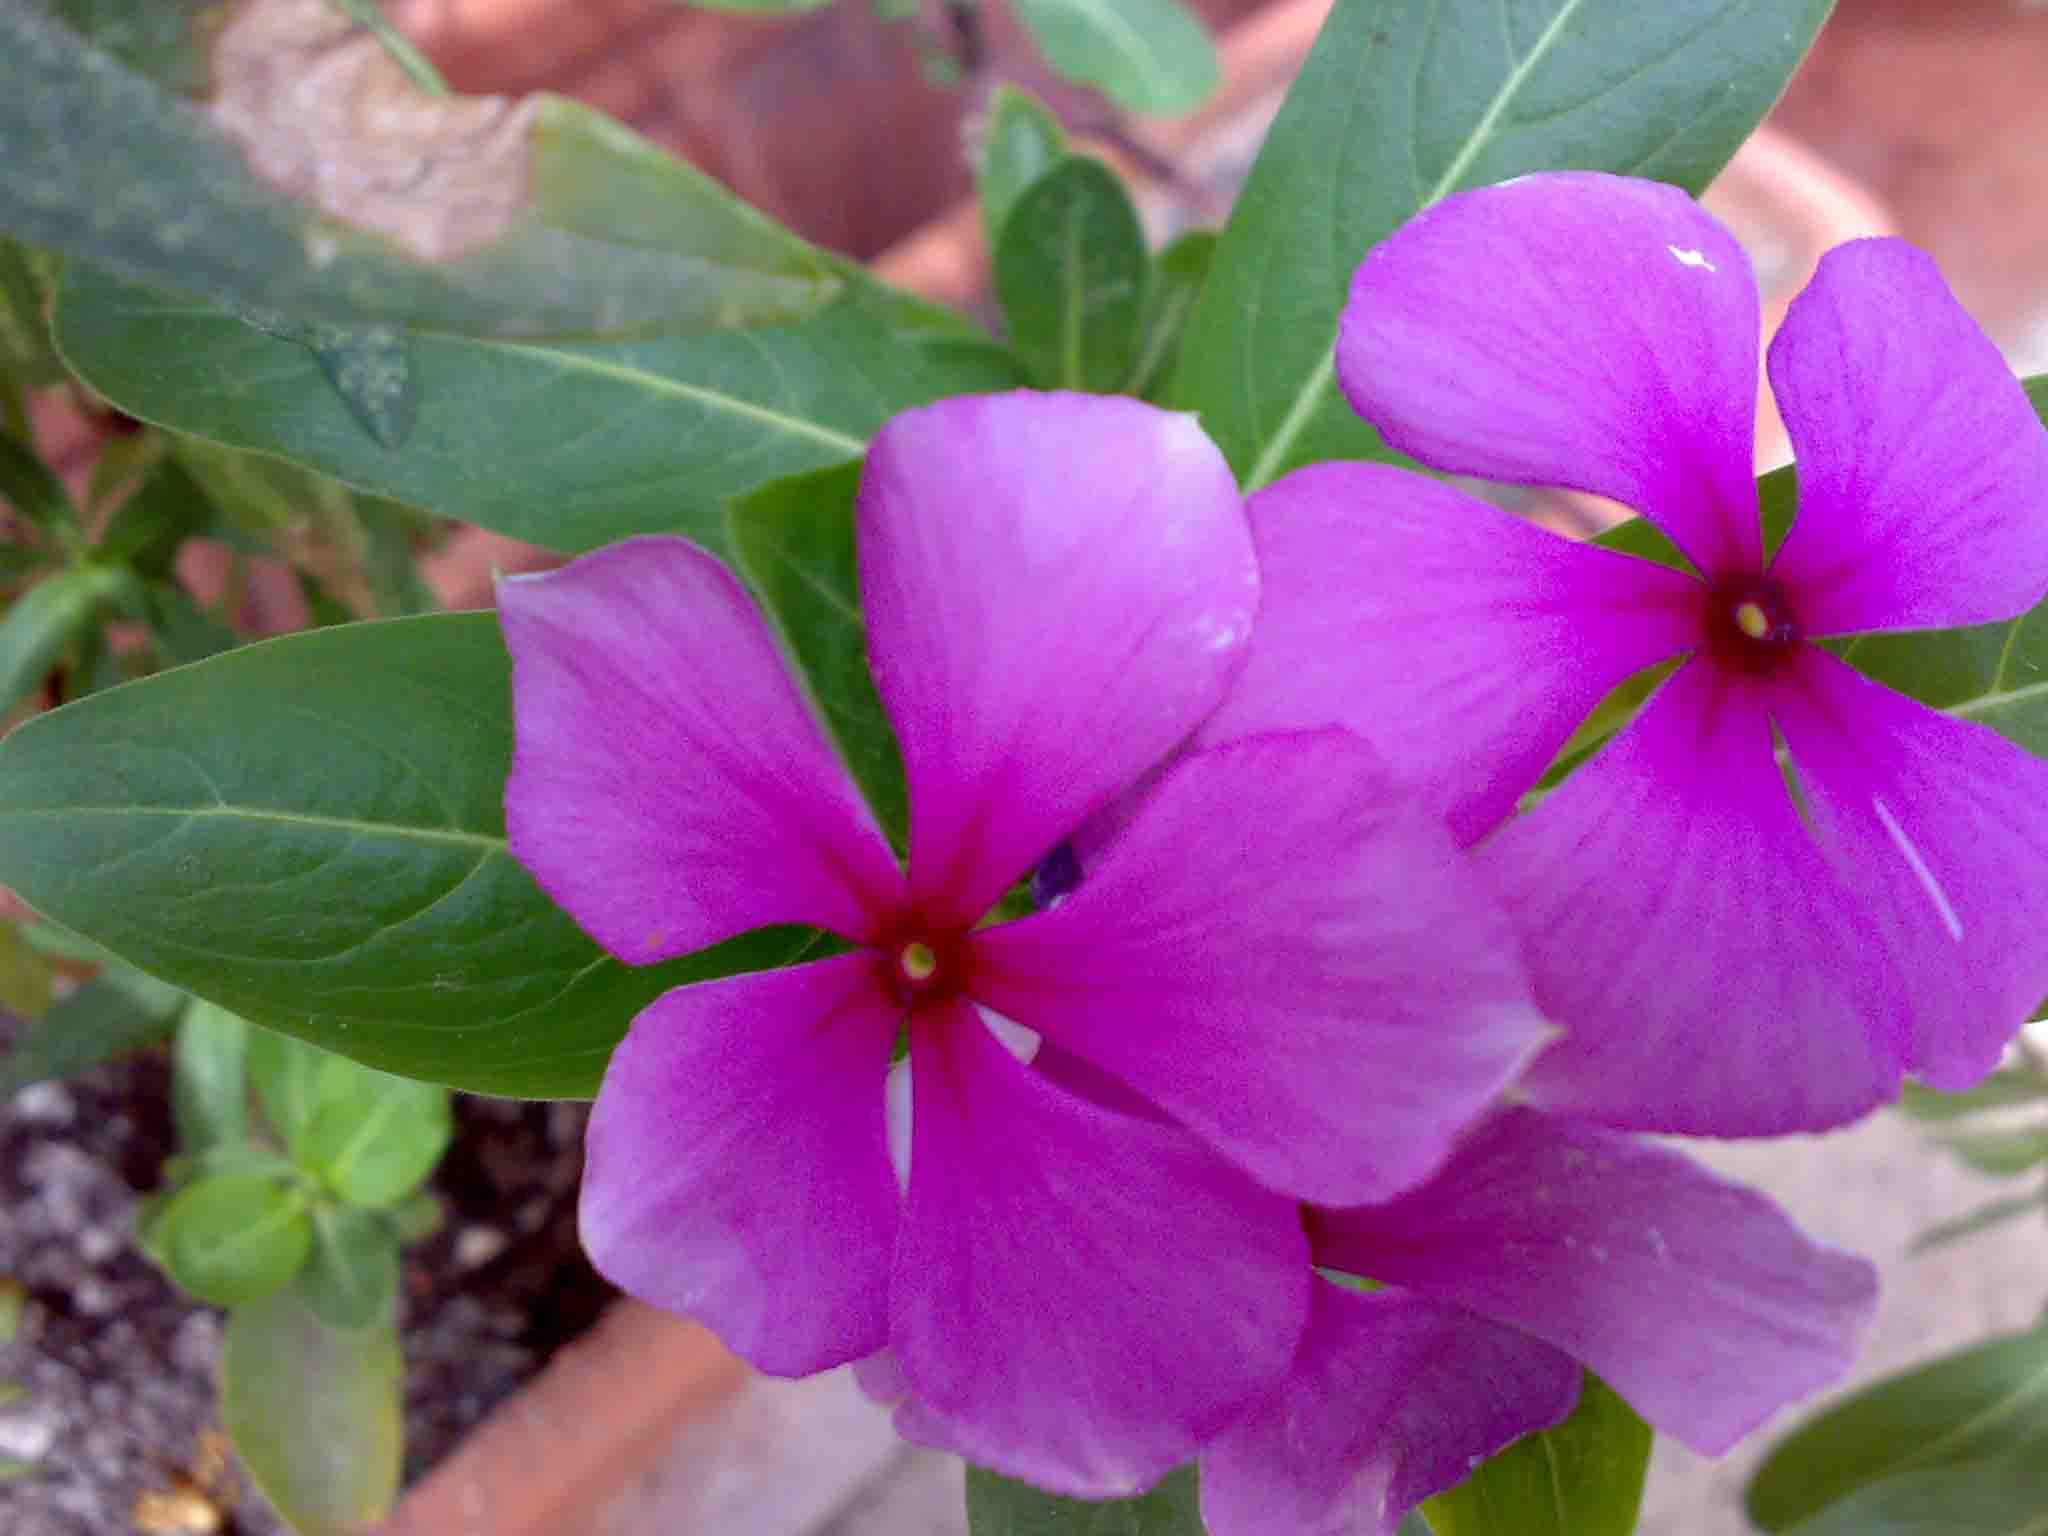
[
  {"x": 1278, "y": 980},
  {"x": 1732, "y": 947},
  {"x": 1542, "y": 1245}
]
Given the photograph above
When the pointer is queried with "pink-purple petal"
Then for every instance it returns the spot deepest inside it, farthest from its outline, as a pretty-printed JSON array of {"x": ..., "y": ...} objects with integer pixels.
[
  {"x": 669, "y": 785},
  {"x": 1057, "y": 590},
  {"x": 1574, "y": 330},
  {"x": 737, "y": 1169},
  {"x": 1080, "y": 1299},
  {"x": 1695, "y": 1298},
  {"x": 1287, "y": 953},
  {"x": 1940, "y": 828},
  {"x": 1923, "y": 469},
  {"x": 1467, "y": 643},
  {"x": 1392, "y": 1398},
  {"x": 1713, "y": 974}
]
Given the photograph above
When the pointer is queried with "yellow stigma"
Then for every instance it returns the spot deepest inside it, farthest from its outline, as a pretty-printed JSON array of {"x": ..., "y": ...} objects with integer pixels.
[
  {"x": 1751, "y": 619},
  {"x": 918, "y": 961}
]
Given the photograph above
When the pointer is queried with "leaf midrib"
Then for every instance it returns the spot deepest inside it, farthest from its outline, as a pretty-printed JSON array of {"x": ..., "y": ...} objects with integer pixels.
[
  {"x": 1313, "y": 388},
  {"x": 452, "y": 837}
]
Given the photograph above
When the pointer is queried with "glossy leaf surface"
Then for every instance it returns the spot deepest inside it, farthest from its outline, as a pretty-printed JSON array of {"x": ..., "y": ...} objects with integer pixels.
[
  {"x": 310, "y": 832},
  {"x": 1070, "y": 269},
  {"x": 322, "y": 1438},
  {"x": 1401, "y": 103},
  {"x": 567, "y": 443},
  {"x": 1582, "y": 1478}
]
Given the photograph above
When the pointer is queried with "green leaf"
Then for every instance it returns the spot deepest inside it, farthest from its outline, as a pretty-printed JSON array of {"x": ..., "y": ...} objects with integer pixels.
[
  {"x": 1023, "y": 142},
  {"x": 415, "y": 1217},
  {"x": 233, "y": 1238},
  {"x": 285, "y": 1072},
  {"x": 2000, "y": 1153},
  {"x": 310, "y": 832},
  {"x": 1177, "y": 282},
  {"x": 1583, "y": 1478},
  {"x": 210, "y": 1077},
  {"x": 373, "y": 1137},
  {"x": 369, "y": 366},
  {"x": 1001, "y": 1506},
  {"x": 1148, "y": 56},
  {"x": 1990, "y": 1214},
  {"x": 2003, "y": 1089},
  {"x": 1070, "y": 270},
  {"x": 2004, "y": 1495},
  {"x": 314, "y": 1413},
  {"x": 94, "y": 1023},
  {"x": 102, "y": 163},
  {"x": 390, "y": 565},
  {"x": 571, "y": 444},
  {"x": 353, "y": 1274},
  {"x": 166, "y": 508},
  {"x": 793, "y": 540},
  {"x": 1984, "y": 1402},
  {"x": 1399, "y": 105},
  {"x": 28, "y": 485},
  {"x": 394, "y": 42},
  {"x": 44, "y": 622},
  {"x": 25, "y": 975},
  {"x": 25, "y": 348}
]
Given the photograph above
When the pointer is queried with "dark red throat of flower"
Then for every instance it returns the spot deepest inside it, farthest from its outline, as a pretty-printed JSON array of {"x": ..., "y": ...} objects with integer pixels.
[
  {"x": 1750, "y": 624},
  {"x": 919, "y": 965}
]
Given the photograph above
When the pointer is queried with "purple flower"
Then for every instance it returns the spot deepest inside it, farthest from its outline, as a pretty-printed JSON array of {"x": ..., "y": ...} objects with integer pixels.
[
  {"x": 1732, "y": 948},
  {"x": 1285, "y": 970},
  {"x": 1541, "y": 1245}
]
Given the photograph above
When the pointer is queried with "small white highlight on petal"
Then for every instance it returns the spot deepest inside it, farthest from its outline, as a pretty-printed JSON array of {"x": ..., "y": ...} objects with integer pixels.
[
  {"x": 1013, "y": 1037},
  {"x": 896, "y": 1120},
  {"x": 1932, "y": 886},
  {"x": 1692, "y": 258}
]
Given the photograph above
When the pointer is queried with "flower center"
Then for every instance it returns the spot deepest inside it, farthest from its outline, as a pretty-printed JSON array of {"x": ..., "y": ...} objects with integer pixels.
[
  {"x": 1750, "y": 623},
  {"x": 918, "y": 962},
  {"x": 921, "y": 964}
]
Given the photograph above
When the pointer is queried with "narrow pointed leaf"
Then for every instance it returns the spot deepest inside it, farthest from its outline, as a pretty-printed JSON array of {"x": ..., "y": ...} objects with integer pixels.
[
  {"x": 1070, "y": 269},
  {"x": 210, "y": 1078},
  {"x": 567, "y": 443},
  {"x": 1401, "y": 103},
  {"x": 2003, "y": 1089},
  {"x": 328, "y": 1458},
  {"x": 97, "y": 1022},
  {"x": 1987, "y": 1401},
  {"x": 310, "y": 832},
  {"x": 2003, "y": 1495},
  {"x": 1990, "y": 1214}
]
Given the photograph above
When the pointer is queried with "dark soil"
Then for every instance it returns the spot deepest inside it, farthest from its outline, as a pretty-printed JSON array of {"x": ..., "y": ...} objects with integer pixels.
[{"x": 118, "y": 1366}]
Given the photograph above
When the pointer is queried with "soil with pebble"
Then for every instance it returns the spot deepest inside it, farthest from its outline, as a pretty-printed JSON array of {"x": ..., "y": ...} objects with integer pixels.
[{"x": 112, "y": 1393}]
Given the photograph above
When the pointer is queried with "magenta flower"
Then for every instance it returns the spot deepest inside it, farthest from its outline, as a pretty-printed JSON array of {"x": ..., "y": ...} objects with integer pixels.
[
  {"x": 1287, "y": 972},
  {"x": 1729, "y": 953},
  {"x": 1543, "y": 1244}
]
